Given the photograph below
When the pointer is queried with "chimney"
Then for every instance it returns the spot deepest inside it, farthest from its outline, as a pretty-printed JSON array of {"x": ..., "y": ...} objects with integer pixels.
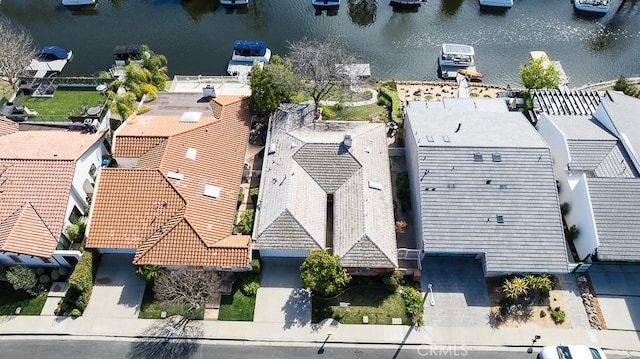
[{"x": 347, "y": 140}]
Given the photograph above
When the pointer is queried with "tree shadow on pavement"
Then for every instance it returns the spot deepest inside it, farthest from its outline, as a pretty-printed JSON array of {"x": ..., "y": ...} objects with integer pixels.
[
  {"x": 176, "y": 337},
  {"x": 297, "y": 309}
]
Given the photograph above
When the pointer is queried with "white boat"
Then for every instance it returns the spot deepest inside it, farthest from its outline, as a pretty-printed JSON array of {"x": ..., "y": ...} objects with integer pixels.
[
  {"x": 250, "y": 51},
  {"x": 234, "y": 3},
  {"x": 598, "y": 7},
  {"x": 124, "y": 54},
  {"x": 496, "y": 4},
  {"x": 325, "y": 3},
  {"x": 405, "y": 3},
  {"x": 79, "y": 2},
  {"x": 245, "y": 55},
  {"x": 454, "y": 57}
]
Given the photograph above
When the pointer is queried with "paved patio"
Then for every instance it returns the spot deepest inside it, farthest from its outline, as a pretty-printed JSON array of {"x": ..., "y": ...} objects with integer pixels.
[
  {"x": 459, "y": 292},
  {"x": 117, "y": 291},
  {"x": 280, "y": 298},
  {"x": 618, "y": 292}
]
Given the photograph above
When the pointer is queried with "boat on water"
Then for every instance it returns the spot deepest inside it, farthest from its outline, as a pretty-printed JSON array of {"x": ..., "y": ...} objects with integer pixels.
[
  {"x": 593, "y": 7},
  {"x": 325, "y": 4},
  {"x": 455, "y": 57},
  {"x": 472, "y": 74},
  {"x": 52, "y": 53},
  {"x": 405, "y": 4},
  {"x": 124, "y": 54},
  {"x": 245, "y": 55},
  {"x": 78, "y": 3},
  {"x": 495, "y": 4},
  {"x": 234, "y": 3}
]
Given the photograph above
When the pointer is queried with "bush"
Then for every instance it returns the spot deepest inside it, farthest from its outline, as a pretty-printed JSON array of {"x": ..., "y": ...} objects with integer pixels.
[
  {"x": 558, "y": 316},
  {"x": 402, "y": 190},
  {"x": 338, "y": 107},
  {"x": 65, "y": 306},
  {"x": 572, "y": 233},
  {"x": 75, "y": 231},
  {"x": 40, "y": 271},
  {"x": 63, "y": 271},
  {"x": 240, "y": 197},
  {"x": 250, "y": 288},
  {"x": 44, "y": 279},
  {"x": 413, "y": 302},
  {"x": 55, "y": 275},
  {"x": 384, "y": 101},
  {"x": 3, "y": 272},
  {"x": 81, "y": 303},
  {"x": 149, "y": 272},
  {"x": 565, "y": 208},
  {"x": 392, "y": 281},
  {"x": 253, "y": 193},
  {"x": 515, "y": 287},
  {"x": 24, "y": 278},
  {"x": 255, "y": 266},
  {"x": 81, "y": 281},
  {"x": 75, "y": 313}
]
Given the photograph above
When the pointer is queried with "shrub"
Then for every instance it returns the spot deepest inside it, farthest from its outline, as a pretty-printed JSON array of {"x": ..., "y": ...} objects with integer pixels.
[
  {"x": 565, "y": 208},
  {"x": 250, "y": 288},
  {"x": 81, "y": 281},
  {"x": 572, "y": 233},
  {"x": 255, "y": 266},
  {"x": 55, "y": 275},
  {"x": 402, "y": 189},
  {"x": 338, "y": 107},
  {"x": 65, "y": 306},
  {"x": 24, "y": 278},
  {"x": 75, "y": 313},
  {"x": 3, "y": 272},
  {"x": 240, "y": 197},
  {"x": 63, "y": 271},
  {"x": 149, "y": 273},
  {"x": 413, "y": 303},
  {"x": 384, "y": 101},
  {"x": 253, "y": 193},
  {"x": 515, "y": 287},
  {"x": 81, "y": 303},
  {"x": 323, "y": 273},
  {"x": 44, "y": 279},
  {"x": 401, "y": 226},
  {"x": 474, "y": 94},
  {"x": 75, "y": 231},
  {"x": 558, "y": 316},
  {"x": 40, "y": 271},
  {"x": 392, "y": 281}
]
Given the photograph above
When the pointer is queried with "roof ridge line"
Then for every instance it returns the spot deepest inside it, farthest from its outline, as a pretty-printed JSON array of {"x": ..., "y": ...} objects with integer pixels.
[
  {"x": 42, "y": 220},
  {"x": 150, "y": 242},
  {"x": 366, "y": 236}
]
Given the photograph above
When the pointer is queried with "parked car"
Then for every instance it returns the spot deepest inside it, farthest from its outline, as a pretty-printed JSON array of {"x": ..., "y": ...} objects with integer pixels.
[{"x": 571, "y": 352}]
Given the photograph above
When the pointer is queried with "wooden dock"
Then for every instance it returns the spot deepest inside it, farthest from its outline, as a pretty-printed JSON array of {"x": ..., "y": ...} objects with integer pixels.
[{"x": 42, "y": 68}]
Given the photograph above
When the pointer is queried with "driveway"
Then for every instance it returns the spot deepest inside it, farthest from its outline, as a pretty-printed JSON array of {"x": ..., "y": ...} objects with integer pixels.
[
  {"x": 117, "y": 291},
  {"x": 280, "y": 298},
  {"x": 459, "y": 292},
  {"x": 618, "y": 292}
]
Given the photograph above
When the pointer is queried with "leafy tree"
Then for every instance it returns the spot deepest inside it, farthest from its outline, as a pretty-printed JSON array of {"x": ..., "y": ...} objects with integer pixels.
[
  {"x": 323, "y": 273},
  {"x": 272, "y": 85},
  {"x": 16, "y": 51},
  {"x": 540, "y": 73},
  {"x": 318, "y": 64},
  {"x": 515, "y": 287},
  {"x": 149, "y": 273},
  {"x": 24, "y": 278},
  {"x": 621, "y": 84},
  {"x": 156, "y": 64},
  {"x": 75, "y": 231},
  {"x": 413, "y": 303},
  {"x": 124, "y": 104},
  {"x": 245, "y": 226},
  {"x": 194, "y": 287}
]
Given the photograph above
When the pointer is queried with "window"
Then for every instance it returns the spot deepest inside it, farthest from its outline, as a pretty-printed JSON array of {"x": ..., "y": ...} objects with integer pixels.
[
  {"x": 75, "y": 215},
  {"x": 503, "y": 186},
  {"x": 496, "y": 157},
  {"x": 46, "y": 260},
  {"x": 500, "y": 218},
  {"x": 477, "y": 157},
  {"x": 15, "y": 258},
  {"x": 92, "y": 171}
]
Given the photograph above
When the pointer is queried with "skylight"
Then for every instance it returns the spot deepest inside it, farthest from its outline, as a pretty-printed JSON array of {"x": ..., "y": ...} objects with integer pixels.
[
  {"x": 477, "y": 157},
  {"x": 175, "y": 175},
  {"x": 500, "y": 218},
  {"x": 190, "y": 116},
  {"x": 191, "y": 153},
  {"x": 430, "y": 139},
  {"x": 496, "y": 157},
  {"x": 375, "y": 185},
  {"x": 446, "y": 139},
  {"x": 211, "y": 191}
]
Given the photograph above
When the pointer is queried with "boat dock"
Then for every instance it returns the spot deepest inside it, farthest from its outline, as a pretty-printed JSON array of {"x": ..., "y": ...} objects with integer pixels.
[{"x": 42, "y": 68}]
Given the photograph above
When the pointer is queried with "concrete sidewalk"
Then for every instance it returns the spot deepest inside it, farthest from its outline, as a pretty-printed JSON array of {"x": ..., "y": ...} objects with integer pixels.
[{"x": 316, "y": 333}]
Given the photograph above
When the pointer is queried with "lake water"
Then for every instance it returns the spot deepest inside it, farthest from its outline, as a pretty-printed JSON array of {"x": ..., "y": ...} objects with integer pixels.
[{"x": 197, "y": 35}]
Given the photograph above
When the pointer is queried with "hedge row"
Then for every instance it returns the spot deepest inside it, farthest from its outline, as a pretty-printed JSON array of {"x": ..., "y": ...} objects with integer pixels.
[
  {"x": 80, "y": 285},
  {"x": 396, "y": 107}
]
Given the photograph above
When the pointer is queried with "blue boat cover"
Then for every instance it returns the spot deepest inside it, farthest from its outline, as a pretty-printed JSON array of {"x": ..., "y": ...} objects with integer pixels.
[
  {"x": 255, "y": 48},
  {"x": 52, "y": 53}
]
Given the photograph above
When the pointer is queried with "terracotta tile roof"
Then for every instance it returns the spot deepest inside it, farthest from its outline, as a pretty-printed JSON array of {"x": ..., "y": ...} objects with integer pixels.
[
  {"x": 203, "y": 154},
  {"x": 25, "y": 232},
  {"x": 45, "y": 186},
  {"x": 135, "y": 146},
  {"x": 7, "y": 126},
  {"x": 51, "y": 145}
]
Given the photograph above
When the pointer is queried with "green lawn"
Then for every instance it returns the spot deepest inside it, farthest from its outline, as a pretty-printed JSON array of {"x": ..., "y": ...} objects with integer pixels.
[
  {"x": 151, "y": 309},
  {"x": 336, "y": 94},
  {"x": 237, "y": 306},
  {"x": 373, "y": 301},
  {"x": 64, "y": 101},
  {"x": 10, "y": 299}
]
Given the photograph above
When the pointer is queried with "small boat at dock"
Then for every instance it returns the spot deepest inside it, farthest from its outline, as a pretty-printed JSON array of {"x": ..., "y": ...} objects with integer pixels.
[
  {"x": 473, "y": 75},
  {"x": 405, "y": 4},
  {"x": 79, "y": 3},
  {"x": 592, "y": 7},
  {"x": 495, "y": 5},
  {"x": 456, "y": 57},
  {"x": 325, "y": 4},
  {"x": 245, "y": 55},
  {"x": 234, "y": 3}
]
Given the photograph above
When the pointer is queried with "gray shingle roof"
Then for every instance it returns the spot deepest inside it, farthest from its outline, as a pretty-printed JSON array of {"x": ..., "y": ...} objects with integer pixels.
[
  {"x": 305, "y": 162},
  {"x": 461, "y": 198},
  {"x": 593, "y": 148},
  {"x": 616, "y": 210},
  {"x": 623, "y": 112}
]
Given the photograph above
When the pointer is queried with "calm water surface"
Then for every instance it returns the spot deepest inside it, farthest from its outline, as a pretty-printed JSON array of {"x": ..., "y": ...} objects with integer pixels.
[{"x": 197, "y": 35}]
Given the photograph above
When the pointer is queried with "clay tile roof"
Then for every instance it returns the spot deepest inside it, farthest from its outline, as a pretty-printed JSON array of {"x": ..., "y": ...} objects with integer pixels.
[
  {"x": 188, "y": 235},
  {"x": 51, "y": 145},
  {"x": 25, "y": 232},
  {"x": 7, "y": 126},
  {"x": 135, "y": 146},
  {"x": 46, "y": 186}
]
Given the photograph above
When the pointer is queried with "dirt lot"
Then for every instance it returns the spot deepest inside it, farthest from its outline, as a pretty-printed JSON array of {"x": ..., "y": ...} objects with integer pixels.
[{"x": 435, "y": 91}]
